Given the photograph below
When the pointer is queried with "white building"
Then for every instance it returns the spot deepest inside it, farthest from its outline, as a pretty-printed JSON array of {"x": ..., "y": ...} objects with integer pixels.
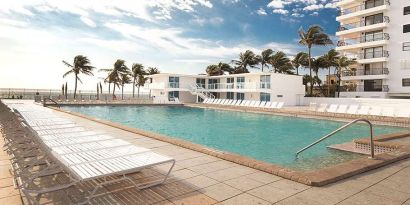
[
  {"x": 248, "y": 86},
  {"x": 377, "y": 34}
]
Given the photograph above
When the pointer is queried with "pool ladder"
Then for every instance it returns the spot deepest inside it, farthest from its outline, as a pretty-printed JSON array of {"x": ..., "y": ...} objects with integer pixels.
[{"x": 340, "y": 129}]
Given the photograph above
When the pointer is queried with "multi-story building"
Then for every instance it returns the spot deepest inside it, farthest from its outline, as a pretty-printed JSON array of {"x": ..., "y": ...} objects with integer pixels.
[
  {"x": 248, "y": 86},
  {"x": 377, "y": 34}
]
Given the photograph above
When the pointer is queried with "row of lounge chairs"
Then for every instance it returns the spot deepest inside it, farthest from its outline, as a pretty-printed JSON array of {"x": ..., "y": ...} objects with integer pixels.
[
  {"x": 244, "y": 103},
  {"x": 356, "y": 109},
  {"x": 46, "y": 148}
]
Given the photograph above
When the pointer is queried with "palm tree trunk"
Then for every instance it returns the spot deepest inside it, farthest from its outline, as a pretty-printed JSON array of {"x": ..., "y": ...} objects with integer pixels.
[
  {"x": 138, "y": 91},
  {"x": 297, "y": 70},
  {"x": 262, "y": 67},
  {"x": 113, "y": 92},
  {"x": 122, "y": 92},
  {"x": 109, "y": 88},
  {"x": 75, "y": 86},
  {"x": 328, "y": 83},
  {"x": 310, "y": 72},
  {"x": 133, "y": 88}
]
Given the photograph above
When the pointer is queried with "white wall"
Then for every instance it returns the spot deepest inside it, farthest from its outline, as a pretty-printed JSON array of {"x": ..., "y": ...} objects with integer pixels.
[{"x": 397, "y": 103}]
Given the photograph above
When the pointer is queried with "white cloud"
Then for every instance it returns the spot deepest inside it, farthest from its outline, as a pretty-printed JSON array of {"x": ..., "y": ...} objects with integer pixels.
[
  {"x": 280, "y": 11},
  {"x": 88, "y": 21},
  {"x": 313, "y": 7},
  {"x": 277, "y": 4},
  {"x": 215, "y": 21},
  {"x": 261, "y": 12}
]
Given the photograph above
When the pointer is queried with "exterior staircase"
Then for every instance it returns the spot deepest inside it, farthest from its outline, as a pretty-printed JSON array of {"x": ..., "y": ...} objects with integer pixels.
[{"x": 200, "y": 91}]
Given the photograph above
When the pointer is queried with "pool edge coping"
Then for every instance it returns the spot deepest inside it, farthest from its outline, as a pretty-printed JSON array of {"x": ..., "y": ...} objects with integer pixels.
[{"x": 318, "y": 177}]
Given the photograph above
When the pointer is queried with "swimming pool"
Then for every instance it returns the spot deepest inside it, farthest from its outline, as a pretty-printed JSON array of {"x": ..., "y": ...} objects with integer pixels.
[{"x": 269, "y": 138}]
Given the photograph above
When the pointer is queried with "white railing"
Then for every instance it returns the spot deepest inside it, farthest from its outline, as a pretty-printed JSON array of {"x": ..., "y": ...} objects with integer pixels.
[{"x": 211, "y": 87}]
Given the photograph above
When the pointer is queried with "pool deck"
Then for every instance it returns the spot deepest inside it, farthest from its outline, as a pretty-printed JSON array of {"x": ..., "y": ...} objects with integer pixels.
[{"x": 199, "y": 179}]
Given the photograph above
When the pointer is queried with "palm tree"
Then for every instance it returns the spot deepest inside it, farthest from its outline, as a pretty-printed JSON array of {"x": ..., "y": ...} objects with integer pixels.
[
  {"x": 152, "y": 71},
  {"x": 279, "y": 62},
  {"x": 141, "y": 82},
  {"x": 114, "y": 74},
  {"x": 313, "y": 36},
  {"x": 218, "y": 69},
  {"x": 137, "y": 70},
  {"x": 80, "y": 65},
  {"x": 264, "y": 58},
  {"x": 306, "y": 80},
  {"x": 301, "y": 59},
  {"x": 342, "y": 63},
  {"x": 245, "y": 59},
  {"x": 124, "y": 79},
  {"x": 329, "y": 60}
]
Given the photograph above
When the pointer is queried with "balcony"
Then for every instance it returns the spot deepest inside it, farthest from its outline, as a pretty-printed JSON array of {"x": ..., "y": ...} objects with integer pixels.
[
  {"x": 363, "y": 72},
  {"x": 372, "y": 57},
  {"x": 370, "y": 40},
  {"x": 238, "y": 86},
  {"x": 362, "y": 88},
  {"x": 362, "y": 10},
  {"x": 363, "y": 25}
]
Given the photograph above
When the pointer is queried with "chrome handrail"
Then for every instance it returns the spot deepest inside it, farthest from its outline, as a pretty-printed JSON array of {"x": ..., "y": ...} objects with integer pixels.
[{"x": 338, "y": 130}]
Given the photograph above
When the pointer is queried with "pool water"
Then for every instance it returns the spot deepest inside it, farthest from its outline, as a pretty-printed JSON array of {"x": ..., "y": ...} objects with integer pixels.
[{"x": 269, "y": 138}]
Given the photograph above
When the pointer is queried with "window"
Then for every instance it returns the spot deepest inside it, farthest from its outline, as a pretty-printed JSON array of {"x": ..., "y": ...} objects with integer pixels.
[
  {"x": 372, "y": 36},
  {"x": 406, "y": 46},
  {"x": 173, "y": 82},
  {"x": 213, "y": 83},
  {"x": 406, "y": 10},
  {"x": 405, "y": 82},
  {"x": 230, "y": 95},
  {"x": 200, "y": 82},
  {"x": 172, "y": 95},
  {"x": 265, "y": 97},
  {"x": 240, "y": 82},
  {"x": 229, "y": 83},
  {"x": 373, "y": 3},
  {"x": 406, "y": 28},
  {"x": 240, "y": 96},
  {"x": 376, "y": 52},
  {"x": 265, "y": 81},
  {"x": 373, "y": 86},
  {"x": 374, "y": 19}
]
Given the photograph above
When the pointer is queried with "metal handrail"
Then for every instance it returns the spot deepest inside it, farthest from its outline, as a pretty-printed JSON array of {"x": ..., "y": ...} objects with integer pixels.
[
  {"x": 51, "y": 100},
  {"x": 338, "y": 130}
]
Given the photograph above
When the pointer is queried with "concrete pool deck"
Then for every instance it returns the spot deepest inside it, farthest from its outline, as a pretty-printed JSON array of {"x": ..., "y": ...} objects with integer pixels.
[{"x": 202, "y": 179}]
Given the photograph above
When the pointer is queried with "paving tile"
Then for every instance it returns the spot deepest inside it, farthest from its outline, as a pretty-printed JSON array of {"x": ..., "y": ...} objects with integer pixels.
[
  {"x": 8, "y": 191},
  {"x": 212, "y": 166},
  {"x": 196, "y": 161},
  {"x": 193, "y": 198},
  {"x": 345, "y": 187},
  {"x": 290, "y": 186},
  {"x": 230, "y": 173},
  {"x": 11, "y": 200},
  {"x": 6, "y": 182},
  {"x": 263, "y": 177},
  {"x": 314, "y": 196},
  {"x": 220, "y": 191},
  {"x": 166, "y": 202},
  {"x": 5, "y": 172},
  {"x": 391, "y": 194},
  {"x": 244, "y": 199},
  {"x": 183, "y": 174},
  {"x": 276, "y": 193},
  {"x": 4, "y": 162},
  {"x": 243, "y": 183},
  {"x": 201, "y": 181},
  {"x": 369, "y": 199}
]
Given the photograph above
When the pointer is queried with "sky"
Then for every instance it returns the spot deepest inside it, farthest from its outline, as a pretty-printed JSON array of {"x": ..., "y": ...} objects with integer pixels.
[{"x": 176, "y": 36}]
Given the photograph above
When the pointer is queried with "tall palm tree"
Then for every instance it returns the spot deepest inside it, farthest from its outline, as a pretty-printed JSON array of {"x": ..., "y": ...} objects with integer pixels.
[
  {"x": 152, "y": 71},
  {"x": 80, "y": 65},
  {"x": 300, "y": 59},
  {"x": 246, "y": 59},
  {"x": 140, "y": 82},
  {"x": 313, "y": 36},
  {"x": 264, "y": 58},
  {"x": 124, "y": 79},
  {"x": 218, "y": 69},
  {"x": 342, "y": 63},
  {"x": 279, "y": 61},
  {"x": 137, "y": 70},
  {"x": 114, "y": 74},
  {"x": 329, "y": 60}
]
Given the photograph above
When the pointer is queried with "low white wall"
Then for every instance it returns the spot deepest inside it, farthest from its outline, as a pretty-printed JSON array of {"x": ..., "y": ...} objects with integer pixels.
[{"x": 396, "y": 103}]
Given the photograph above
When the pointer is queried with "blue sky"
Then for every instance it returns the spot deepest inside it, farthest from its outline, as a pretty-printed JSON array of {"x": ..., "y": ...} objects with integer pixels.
[{"x": 173, "y": 35}]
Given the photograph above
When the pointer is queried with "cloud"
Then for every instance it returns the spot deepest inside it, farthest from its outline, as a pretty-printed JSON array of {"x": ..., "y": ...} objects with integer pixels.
[
  {"x": 277, "y": 4},
  {"x": 261, "y": 12},
  {"x": 280, "y": 11},
  {"x": 215, "y": 21},
  {"x": 88, "y": 21},
  {"x": 286, "y": 6}
]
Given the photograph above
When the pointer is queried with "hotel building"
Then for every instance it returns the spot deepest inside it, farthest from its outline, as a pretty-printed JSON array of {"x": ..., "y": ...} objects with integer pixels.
[
  {"x": 377, "y": 34},
  {"x": 247, "y": 86}
]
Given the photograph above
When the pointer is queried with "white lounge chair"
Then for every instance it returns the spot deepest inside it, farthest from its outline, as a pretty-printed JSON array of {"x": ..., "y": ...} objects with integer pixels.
[
  {"x": 238, "y": 103},
  {"x": 248, "y": 103},
  {"x": 256, "y": 104},
  {"x": 217, "y": 101},
  {"x": 342, "y": 109},
  {"x": 262, "y": 105},
  {"x": 273, "y": 105},
  {"x": 352, "y": 109},
  {"x": 206, "y": 100},
  {"x": 244, "y": 102},
  {"x": 375, "y": 110},
  {"x": 332, "y": 108},
  {"x": 222, "y": 101},
  {"x": 280, "y": 105},
  {"x": 363, "y": 110},
  {"x": 403, "y": 112},
  {"x": 322, "y": 107},
  {"x": 233, "y": 102},
  {"x": 312, "y": 106},
  {"x": 268, "y": 104}
]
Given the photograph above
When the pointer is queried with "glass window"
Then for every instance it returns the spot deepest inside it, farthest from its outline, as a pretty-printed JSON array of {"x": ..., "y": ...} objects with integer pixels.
[
  {"x": 240, "y": 82},
  {"x": 374, "y": 19},
  {"x": 373, "y": 3},
  {"x": 200, "y": 82},
  {"x": 376, "y": 52},
  {"x": 213, "y": 83},
  {"x": 265, "y": 97},
  {"x": 406, "y": 46},
  {"x": 406, "y": 10},
  {"x": 172, "y": 95},
  {"x": 265, "y": 82},
  {"x": 230, "y": 83},
  {"x": 240, "y": 96},
  {"x": 230, "y": 95},
  {"x": 373, "y": 85},
  {"x": 406, "y": 28},
  {"x": 173, "y": 82},
  {"x": 406, "y": 82},
  {"x": 373, "y": 36}
]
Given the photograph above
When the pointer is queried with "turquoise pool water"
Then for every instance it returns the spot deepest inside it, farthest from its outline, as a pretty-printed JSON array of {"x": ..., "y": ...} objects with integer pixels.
[{"x": 269, "y": 138}]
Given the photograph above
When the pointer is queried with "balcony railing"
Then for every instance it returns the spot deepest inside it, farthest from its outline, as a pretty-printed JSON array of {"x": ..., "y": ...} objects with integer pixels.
[
  {"x": 364, "y": 39},
  {"x": 362, "y": 88},
  {"x": 173, "y": 85},
  {"x": 361, "y": 72},
  {"x": 362, "y": 7},
  {"x": 362, "y": 23},
  {"x": 374, "y": 54}
]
